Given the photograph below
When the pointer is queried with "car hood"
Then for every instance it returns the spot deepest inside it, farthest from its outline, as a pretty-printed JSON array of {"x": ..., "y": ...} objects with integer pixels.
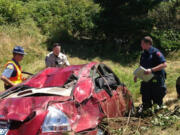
[{"x": 20, "y": 108}]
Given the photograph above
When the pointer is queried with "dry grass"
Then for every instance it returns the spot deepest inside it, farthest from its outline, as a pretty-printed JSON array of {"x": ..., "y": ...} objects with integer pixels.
[
  {"x": 173, "y": 71},
  {"x": 10, "y": 37},
  {"x": 34, "y": 62}
]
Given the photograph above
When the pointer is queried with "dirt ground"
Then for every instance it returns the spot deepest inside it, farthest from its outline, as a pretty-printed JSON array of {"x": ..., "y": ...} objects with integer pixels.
[{"x": 148, "y": 125}]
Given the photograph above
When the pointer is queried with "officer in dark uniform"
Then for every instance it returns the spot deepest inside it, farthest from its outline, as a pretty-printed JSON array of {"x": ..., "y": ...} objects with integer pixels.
[
  {"x": 153, "y": 60},
  {"x": 178, "y": 87}
]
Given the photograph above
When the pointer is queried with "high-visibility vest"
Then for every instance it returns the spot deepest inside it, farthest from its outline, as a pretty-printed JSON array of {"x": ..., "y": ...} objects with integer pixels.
[{"x": 18, "y": 78}]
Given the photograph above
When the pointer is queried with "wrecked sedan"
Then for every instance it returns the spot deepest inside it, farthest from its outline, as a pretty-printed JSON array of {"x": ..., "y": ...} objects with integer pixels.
[{"x": 71, "y": 100}]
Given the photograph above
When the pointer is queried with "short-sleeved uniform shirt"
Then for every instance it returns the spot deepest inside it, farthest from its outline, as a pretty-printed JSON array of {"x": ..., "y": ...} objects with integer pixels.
[
  {"x": 152, "y": 58},
  {"x": 56, "y": 61},
  {"x": 10, "y": 70}
]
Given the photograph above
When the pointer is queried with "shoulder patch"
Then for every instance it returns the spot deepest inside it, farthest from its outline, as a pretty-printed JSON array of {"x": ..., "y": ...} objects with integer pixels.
[
  {"x": 10, "y": 66},
  {"x": 159, "y": 54}
]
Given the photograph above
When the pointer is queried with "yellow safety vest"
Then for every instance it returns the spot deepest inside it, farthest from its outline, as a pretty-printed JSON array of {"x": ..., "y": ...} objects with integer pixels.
[{"x": 18, "y": 78}]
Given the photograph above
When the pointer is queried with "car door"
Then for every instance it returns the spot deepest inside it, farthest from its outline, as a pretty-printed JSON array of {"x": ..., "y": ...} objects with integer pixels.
[{"x": 105, "y": 92}]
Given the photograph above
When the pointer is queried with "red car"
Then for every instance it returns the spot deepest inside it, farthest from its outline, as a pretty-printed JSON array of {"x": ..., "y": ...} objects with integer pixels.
[{"x": 72, "y": 100}]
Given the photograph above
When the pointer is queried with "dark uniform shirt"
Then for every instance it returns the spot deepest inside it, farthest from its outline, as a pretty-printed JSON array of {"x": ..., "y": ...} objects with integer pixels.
[
  {"x": 152, "y": 58},
  {"x": 155, "y": 89}
]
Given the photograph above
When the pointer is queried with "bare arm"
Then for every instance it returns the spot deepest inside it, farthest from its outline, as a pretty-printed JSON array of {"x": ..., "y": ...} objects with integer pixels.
[
  {"x": 7, "y": 81},
  {"x": 159, "y": 67}
]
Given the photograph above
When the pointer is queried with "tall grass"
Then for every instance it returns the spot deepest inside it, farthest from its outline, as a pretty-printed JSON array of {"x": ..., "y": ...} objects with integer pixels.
[
  {"x": 27, "y": 36},
  {"x": 32, "y": 40}
]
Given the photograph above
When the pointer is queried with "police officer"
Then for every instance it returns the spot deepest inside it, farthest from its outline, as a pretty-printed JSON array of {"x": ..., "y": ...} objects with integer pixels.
[
  {"x": 153, "y": 60},
  {"x": 178, "y": 87},
  {"x": 56, "y": 58},
  {"x": 12, "y": 74}
]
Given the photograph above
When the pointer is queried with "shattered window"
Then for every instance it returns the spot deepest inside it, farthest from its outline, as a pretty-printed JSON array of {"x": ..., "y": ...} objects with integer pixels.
[{"x": 104, "y": 79}]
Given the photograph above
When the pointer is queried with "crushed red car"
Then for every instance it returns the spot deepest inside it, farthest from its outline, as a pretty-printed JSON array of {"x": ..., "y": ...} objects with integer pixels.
[{"x": 74, "y": 100}]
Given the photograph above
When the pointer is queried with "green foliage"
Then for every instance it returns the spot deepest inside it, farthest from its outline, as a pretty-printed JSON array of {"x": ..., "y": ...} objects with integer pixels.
[
  {"x": 123, "y": 23},
  {"x": 70, "y": 17},
  {"x": 125, "y": 19},
  {"x": 12, "y": 11},
  {"x": 166, "y": 15},
  {"x": 167, "y": 40},
  {"x": 161, "y": 120},
  {"x": 166, "y": 118},
  {"x": 166, "y": 29}
]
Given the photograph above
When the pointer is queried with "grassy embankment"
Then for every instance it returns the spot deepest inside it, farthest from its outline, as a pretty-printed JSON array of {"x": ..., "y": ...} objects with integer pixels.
[{"x": 34, "y": 44}]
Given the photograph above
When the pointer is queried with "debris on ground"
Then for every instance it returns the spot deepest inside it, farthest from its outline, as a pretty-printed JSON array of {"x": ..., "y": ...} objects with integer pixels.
[{"x": 163, "y": 117}]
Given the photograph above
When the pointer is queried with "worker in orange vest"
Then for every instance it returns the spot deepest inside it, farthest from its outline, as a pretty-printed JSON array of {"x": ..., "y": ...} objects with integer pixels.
[{"x": 12, "y": 74}]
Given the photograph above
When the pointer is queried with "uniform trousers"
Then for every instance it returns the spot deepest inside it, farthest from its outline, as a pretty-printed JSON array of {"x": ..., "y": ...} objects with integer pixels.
[{"x": 153, "y": 91}]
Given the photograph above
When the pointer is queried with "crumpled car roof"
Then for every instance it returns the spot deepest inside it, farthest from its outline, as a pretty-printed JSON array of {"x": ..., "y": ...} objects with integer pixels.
[{"x": 56, "y": 77}]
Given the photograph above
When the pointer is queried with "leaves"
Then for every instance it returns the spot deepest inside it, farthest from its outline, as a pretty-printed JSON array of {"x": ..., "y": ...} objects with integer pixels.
[{"x": 166, "y": 117}]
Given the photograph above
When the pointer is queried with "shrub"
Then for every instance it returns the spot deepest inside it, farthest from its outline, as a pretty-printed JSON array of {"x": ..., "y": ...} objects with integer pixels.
[
  {"x": 167, "y": 40},
  {"x": 12, "y": 11},
  {"x": 166, "y": 25},
  {"x": 70, "y": 17},
  {"x": 56, "y": 16},
  {"x": 166, "y": 15}
]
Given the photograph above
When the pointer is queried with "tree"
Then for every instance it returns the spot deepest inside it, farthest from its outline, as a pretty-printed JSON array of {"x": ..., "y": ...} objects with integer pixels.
[{"x": 125, "y": 20}]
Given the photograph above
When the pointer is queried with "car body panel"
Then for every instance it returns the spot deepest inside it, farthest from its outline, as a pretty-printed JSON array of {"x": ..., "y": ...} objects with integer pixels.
[
  {"x": 109, "y": 104},
  {"x": 20, "y": 108},
  {"x": 90, "y": 116},
  {"x": 85, "y": 105},
  {"x": 88, "y": 113},
  {"x": 83, "y": 89},
  {"x": 31, "y": 127},
  {"x": 49, "y": 77}
]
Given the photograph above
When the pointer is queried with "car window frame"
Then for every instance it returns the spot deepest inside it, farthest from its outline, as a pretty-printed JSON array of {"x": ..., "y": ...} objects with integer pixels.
[{"x": 101, "y": 70}]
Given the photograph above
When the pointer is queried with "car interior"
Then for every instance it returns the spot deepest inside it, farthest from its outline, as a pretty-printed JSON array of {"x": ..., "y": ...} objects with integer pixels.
[{"x": 105, "y": 79}]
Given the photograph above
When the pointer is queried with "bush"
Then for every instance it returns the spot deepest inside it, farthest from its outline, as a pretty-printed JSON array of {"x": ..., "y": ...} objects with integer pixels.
[
  {"x": 71, "y": 17},
  {"x": 12, "y": 11},
  {"x": 122, "y": 22},
  {"x": 166, "y": 25},
  {"x": 166, "y": 15},
  {"x": 167, "y": 40}
]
